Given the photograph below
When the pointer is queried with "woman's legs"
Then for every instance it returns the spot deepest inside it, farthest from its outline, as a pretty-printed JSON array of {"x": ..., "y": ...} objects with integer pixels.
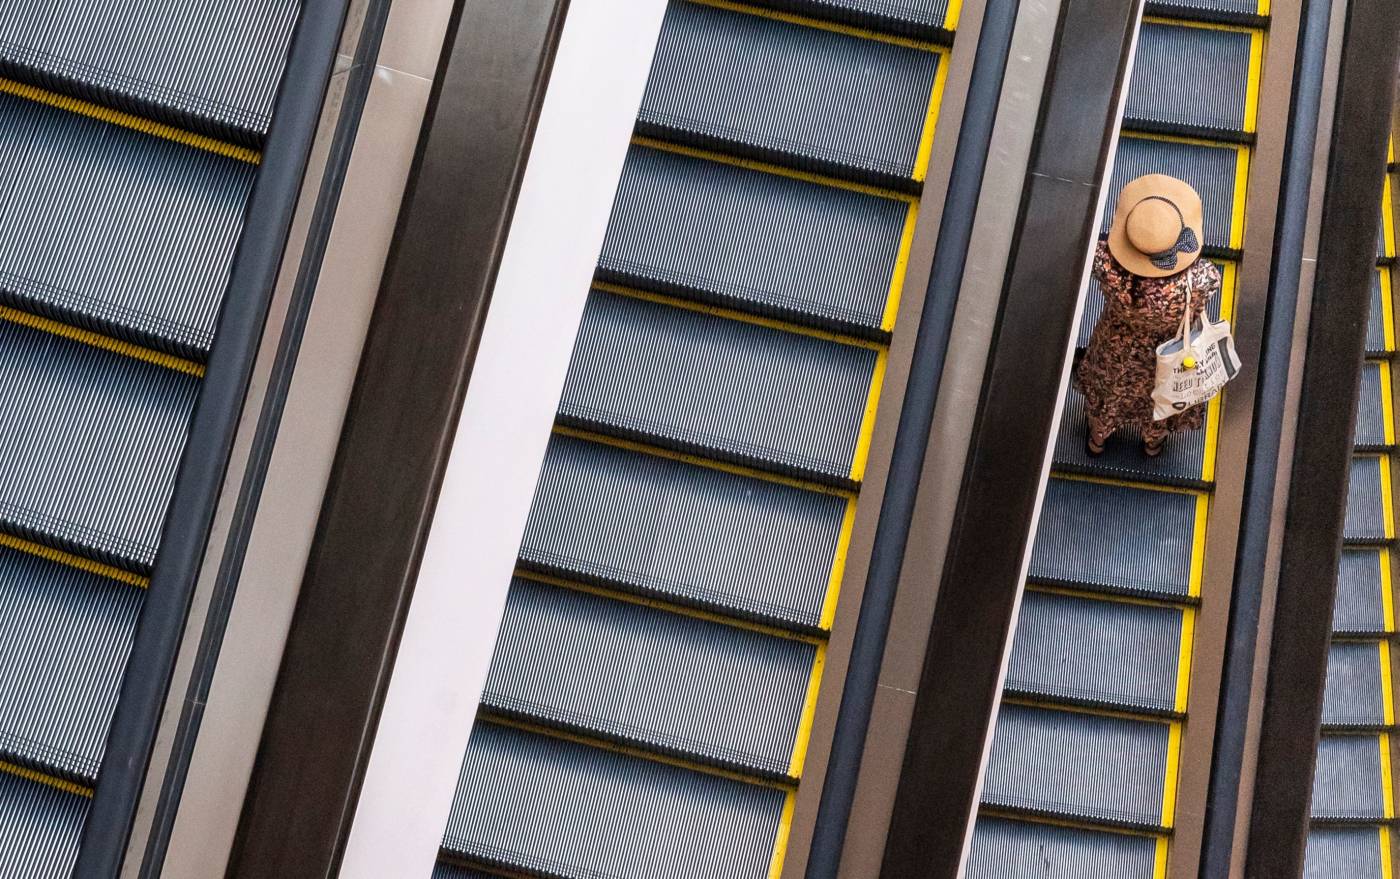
[{"x": 1098, "y": 434}]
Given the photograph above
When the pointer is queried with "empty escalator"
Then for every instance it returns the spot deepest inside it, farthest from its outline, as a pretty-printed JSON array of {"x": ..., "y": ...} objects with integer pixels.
[
  {"x": 1353, "y": 800},
  {"x": 1101, "y": 662},
  {"x": 647, "y": 710},
  {"x": 129, "y": 137}
]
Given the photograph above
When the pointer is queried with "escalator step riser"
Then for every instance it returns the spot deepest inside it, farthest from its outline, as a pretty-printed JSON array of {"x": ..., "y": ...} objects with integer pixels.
[
  {"x": 43, "y": 826},
  {"x": 914, "y": 18},
  {"x": 799, "y": 96},
  {"x": 760, "y": 242},
  {"x": 113, "y": 230},
  {"x": 1190, "y": 80},
  {"x": 736, "y": 544},
  {"x": 1210, "y": 169},
  {"x": 215, "y": 67},
  {"x": 1343, "y": 853},
  {"x": 1102, "y": 652},
  {"x": 707, "y": 691},
  {"x": 1182, "y": 461},
  {"x": 1359, "y": 606},
  {"x": 1347, "y": 781},
  {"x": 449, "y": 871},
  {"x": 66, "y": 634},
  {"x": 89, "y": 444},
  {"x": 1366, "y": 520},
  {"x": 1227, "y": 10},
  {"x": 1353, "y": 695},
  {"x": 724, "y": 388},
  {"x": 564, "y": 809},
  {"x": 1039, "y": 759},
  {"x": 1003, "y": 849}
]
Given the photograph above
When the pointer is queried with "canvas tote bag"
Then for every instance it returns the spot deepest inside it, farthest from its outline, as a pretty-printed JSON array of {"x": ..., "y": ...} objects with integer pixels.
[{"x": 1193, "y": 366}]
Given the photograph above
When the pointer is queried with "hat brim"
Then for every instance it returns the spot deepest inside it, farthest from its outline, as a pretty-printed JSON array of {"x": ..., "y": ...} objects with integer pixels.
[{"x": 1180, "y": 193}]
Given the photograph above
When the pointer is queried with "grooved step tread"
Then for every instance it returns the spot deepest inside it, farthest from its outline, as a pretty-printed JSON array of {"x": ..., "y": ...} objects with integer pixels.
[
  {"x": 1366, "y": 519},
  {"x": 1347, "y": 780},
  {"x": 1354, "y": 695},
  {"x": 1181, "y": 462},
  {"x": 43, "y": 826},
  {"x": 1376, "y": 342},
  {"x": 1190, "y": 81},
  {"x": 1359, "y": 608},
  {"x": 1008, "y": 849},
  {"x": 1343, "y": 853},
  {"x": 1371, "y": 410}
]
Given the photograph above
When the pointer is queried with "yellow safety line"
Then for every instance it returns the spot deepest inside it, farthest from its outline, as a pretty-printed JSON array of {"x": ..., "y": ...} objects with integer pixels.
[
  {"x": 1035, "y": 818},
  {"x": 1094, "y": 595},
  {"x": 769, "y": 168},
  {"x": 1183, "y": 663},
  {"x": 1128, "y": 483},
  {"x": 667, "y": 606},
  {"x": 1387, "y": 310},
  {"x": 1201, "y": 25},
  {"x": 73, "y": 561},
  {"x": 1387, "y": 512},
  {"x": 1387, "y": 697},
  {"x": 1237, "y": 218},
  {"x": 1387, "y": 871},
  {"x": 838, "y": 567},
  {"x": 1387, "y": 599},
  {"x": 1387, "y": 786},
  {"x": 1159, "y": 866},
  {"x": 1387, "y": 405},
  {"x": 127, "y": 120},
  {"x": 818, "y": 23},
  {"x": 492, "y": 717},
  {"x": 1256, "y": 75},
  {"x": 733, "y": 314},
  {"x": 1211, "y": 440},
  {"x": 1198, "y": 546},
  {"x": 1264, "y": 7},
  {"x": 867, "y": 422},
  {"x": 950, "y": 21},
  {"x": 1044, "y": 704},
  {"x": 809, "y": 713},
  {"x": 935, "y": 101},
  {"x": 723, "y": 466},
  {"x": 1229, "y": 288},
  {"x": 1184, "y": 139},
  {"x": 97, "y": 340},
  {"x": 1387, "y": 220},
  {"x": 780, "y": 842},
  {"x": 1173, "y": 771},
  {"x": 46, "y": 779},
  {"x": 901, "y": 268}
]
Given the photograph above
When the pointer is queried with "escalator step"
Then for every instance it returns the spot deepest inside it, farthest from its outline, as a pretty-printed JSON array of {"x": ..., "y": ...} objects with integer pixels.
[
  {"x": 1005, "y": 849},
  {"x": 1190, "y": 81},
  {"x": 1038, "y": 759},
  {"x": 1359, "y": 608},
  {"x": 64, "y": 639},
  {"x": 1385, "y": 248},
  {"x": 1370, "y": 411},
  {"x": 732, "y": 543},
  {"x": 1353, "y": 696},
  {"x": 212, "y": 68},
  {"x": 451, "y": 871},
  {"x": 1093, "y": 307},
  {"x": 42, "y": 826},
  {"x": 801, "y": 96},
  {"x": 916, "y": 18},
  {"x": 1108, "y": 653},
  {"x": 1115, "y": 538},
  {"x": 113, "y": 230},
  {"x": 1212, "y": 170},
  {"x": 1343, "y": 853},
  {"x": 592, "y": 812},
  {"x": 1246, "y": 11},
  {"x": 89, "y": 444},
  {"x": 1376, "y": 343},
  {"x": 1347, "y": 781},
  {"x": 1181, "y": 462},
  {"x": 724, "y": 388},
  {"x": 707, "y": 691},
  {"x": 1366, "y": 519},
  {"x": 775, "y": 245}
]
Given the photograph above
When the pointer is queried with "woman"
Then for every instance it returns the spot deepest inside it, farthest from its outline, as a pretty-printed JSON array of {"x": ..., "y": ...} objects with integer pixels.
[{"x": 1149, "y": 268}]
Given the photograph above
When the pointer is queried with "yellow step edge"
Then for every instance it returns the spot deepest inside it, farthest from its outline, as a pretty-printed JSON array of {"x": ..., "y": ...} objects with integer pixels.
[
  {"x": 838, "y": 566},
  {"x": 1128, "y": 483},
  {"x": 46, "y": 779},
  {"x": 1114, "y": 597},
  {"x": 821, "y": 24},
  {"x": 1200, "y": 25},
  {"x": 127, "y": 120},
  {"x": 1387, "y": 597},
  {"x": 985, "y": 811},
  {"x": 1118, "y": 713},
  {"x": 809, "y": 712},
  {"x": 780, "y": 842},
  {"x": 1387, "y": 780},
  {"x": 1387, "y": 404},
  {"x": 1171, "y": 776},
  {"x": 930, "y": 126},
  {"x": 1387, "y": 869},
  {"x": 1256, "y": 78},
  {"x": 1159, "y": 859},
  {"x": 73, "y": 561},
  {"x": 1387, "y": 310},
  {"x": 861, "y": 458},
  {"x": 1183, "y": 664},
  {"x": 901, "y": 268},
  {"x": 1387, "y": 692},
  {"x": 97, "y": 340}
]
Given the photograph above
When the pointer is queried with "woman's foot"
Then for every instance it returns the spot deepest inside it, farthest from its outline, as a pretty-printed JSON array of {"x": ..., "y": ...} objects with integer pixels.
[
  {"x": 1094, "y": 449},
  {"x": 1152, "y": 450}
]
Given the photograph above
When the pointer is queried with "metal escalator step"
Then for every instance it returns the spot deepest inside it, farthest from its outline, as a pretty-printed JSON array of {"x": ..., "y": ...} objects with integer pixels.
[
  {"x": 89, "y": 444},
  {"x": 64, "y": 639},
  {"x": 1371, "y": 409},
  {"x": 1191, "y": 81},
  {"x": 1376, "y": 343},
  {"x": 451, "y": 871},
  {"x": 1212, "y": 170},
  {"x": 807, "y": 97},
  {"x": 113, "y": 230},
  {"x": 760, "y": 242},
  {"x": 1354, "y": 696},
  {"x": 1115, "y": 538},
  {"x": 1347, "y": 781},
  {"x": 1359, "y": 608},
  {"x": 1343, "y": 853},
  {"x": 212, "y": 68},
  {"x": 723, "y": 388},
  {"x": 559, "y": 808},
  {"x": 1039, "y": 756},
  {"x": 40, "y": 828},
  {"x": 1366, "y": 519},
  {"x": 1224, "y": 11},
  {"x": 1093, "y": 308},
  {"x": 1181, "y": 462},
  {"x": 736, "y": 544},
  {"x": 1108, "y": 653},
  {"x": 914, "y": 18},
  {"x": 1006, "y": 849},
  {"x": 707, "y": 691}
]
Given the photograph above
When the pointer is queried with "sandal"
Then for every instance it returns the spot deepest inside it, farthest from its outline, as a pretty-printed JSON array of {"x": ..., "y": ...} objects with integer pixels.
[
  {"x": 1152, "y": 450},
  {"x": 1091, "y": 449}
]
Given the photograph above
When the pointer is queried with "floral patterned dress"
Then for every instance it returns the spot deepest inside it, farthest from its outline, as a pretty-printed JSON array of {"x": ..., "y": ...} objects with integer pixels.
[{"x": 1119, "y": 368}]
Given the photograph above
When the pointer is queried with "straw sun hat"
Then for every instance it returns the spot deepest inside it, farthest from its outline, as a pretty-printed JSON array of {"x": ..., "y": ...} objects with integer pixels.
[{"x": 1156, "y": 228}]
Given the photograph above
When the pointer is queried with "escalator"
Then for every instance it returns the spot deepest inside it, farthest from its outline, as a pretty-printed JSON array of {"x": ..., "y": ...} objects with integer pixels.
[
  {"x": 1353, "y": 800},
  {"x": 129, "y": 138},
  {"x": 1085, "y": 759},
  {"x": 648, "y": 707}
]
